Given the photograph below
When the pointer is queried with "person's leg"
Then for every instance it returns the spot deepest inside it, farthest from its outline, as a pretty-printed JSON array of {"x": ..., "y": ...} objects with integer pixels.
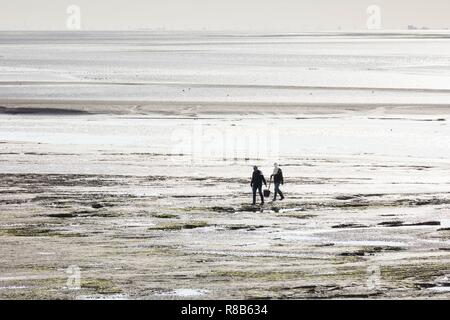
[
  {"x": 279, "y": 191},
  {"x": 275, "y": 191},
  {"x": 261, "y": 194},
  {"x": 254, "y": 195}
]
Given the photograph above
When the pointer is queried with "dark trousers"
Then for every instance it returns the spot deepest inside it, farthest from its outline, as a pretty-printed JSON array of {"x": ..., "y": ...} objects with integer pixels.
[
  {"x": 277, "y": 191},
  {"x": 259, "y": 189}
]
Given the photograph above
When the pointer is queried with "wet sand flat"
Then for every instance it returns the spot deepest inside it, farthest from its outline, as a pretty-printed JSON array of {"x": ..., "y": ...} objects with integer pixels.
[{"x": 146, "y": 215}]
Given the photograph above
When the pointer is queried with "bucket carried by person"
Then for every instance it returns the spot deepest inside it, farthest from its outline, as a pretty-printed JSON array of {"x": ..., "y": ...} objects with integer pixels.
[{"x": 267, "y": 191}]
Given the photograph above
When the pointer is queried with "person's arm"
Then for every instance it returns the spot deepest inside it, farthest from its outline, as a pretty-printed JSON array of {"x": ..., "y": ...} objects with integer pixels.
[
  {"x": 282, "y": 178},
  {"x": 264, "y": 180},
  {"x": 253, "y": 178}
]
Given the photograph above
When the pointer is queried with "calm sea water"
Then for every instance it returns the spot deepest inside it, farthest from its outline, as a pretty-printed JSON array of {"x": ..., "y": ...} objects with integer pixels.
[{"x": 207, "y": 68}]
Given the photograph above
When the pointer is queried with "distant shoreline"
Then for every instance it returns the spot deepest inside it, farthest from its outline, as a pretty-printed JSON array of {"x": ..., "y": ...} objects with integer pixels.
[{"x": 193, "y": 109}]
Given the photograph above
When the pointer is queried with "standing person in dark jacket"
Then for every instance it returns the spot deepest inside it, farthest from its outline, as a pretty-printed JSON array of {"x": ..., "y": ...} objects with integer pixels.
[
  {"x": 256, "y": 184},
  {"x": 277, "y": 179}
]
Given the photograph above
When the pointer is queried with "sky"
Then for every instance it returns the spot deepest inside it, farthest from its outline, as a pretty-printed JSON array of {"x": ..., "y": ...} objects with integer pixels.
[{"x": 239, "y": 15}]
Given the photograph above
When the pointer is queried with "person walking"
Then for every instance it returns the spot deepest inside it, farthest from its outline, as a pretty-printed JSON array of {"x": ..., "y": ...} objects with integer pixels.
[
  {"x": 278, "y": 179},
  {"x": 256, "y": 184}
]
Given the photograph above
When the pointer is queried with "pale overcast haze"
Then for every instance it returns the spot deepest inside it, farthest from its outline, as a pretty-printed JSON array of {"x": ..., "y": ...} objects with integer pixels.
[{"x": 240, "y": 15}]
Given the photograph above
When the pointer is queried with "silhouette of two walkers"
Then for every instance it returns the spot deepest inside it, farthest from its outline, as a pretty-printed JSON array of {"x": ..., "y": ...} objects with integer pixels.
[{"x": 258, "y": 180}]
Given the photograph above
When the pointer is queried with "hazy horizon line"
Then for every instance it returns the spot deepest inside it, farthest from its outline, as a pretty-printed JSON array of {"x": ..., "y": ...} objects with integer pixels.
[{"x": 362, "y": 30}]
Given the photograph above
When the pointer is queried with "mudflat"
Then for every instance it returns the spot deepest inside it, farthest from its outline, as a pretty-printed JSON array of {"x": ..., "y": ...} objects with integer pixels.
[{"x": 146, "y": 215}]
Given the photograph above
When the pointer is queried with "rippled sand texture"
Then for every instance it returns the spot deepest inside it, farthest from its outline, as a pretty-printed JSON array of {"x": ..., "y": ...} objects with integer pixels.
[{"x": 143, "y": 186}]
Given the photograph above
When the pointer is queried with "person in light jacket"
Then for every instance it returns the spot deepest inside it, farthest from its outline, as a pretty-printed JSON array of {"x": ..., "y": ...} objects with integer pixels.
[{"x": 277, "y": 176}]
